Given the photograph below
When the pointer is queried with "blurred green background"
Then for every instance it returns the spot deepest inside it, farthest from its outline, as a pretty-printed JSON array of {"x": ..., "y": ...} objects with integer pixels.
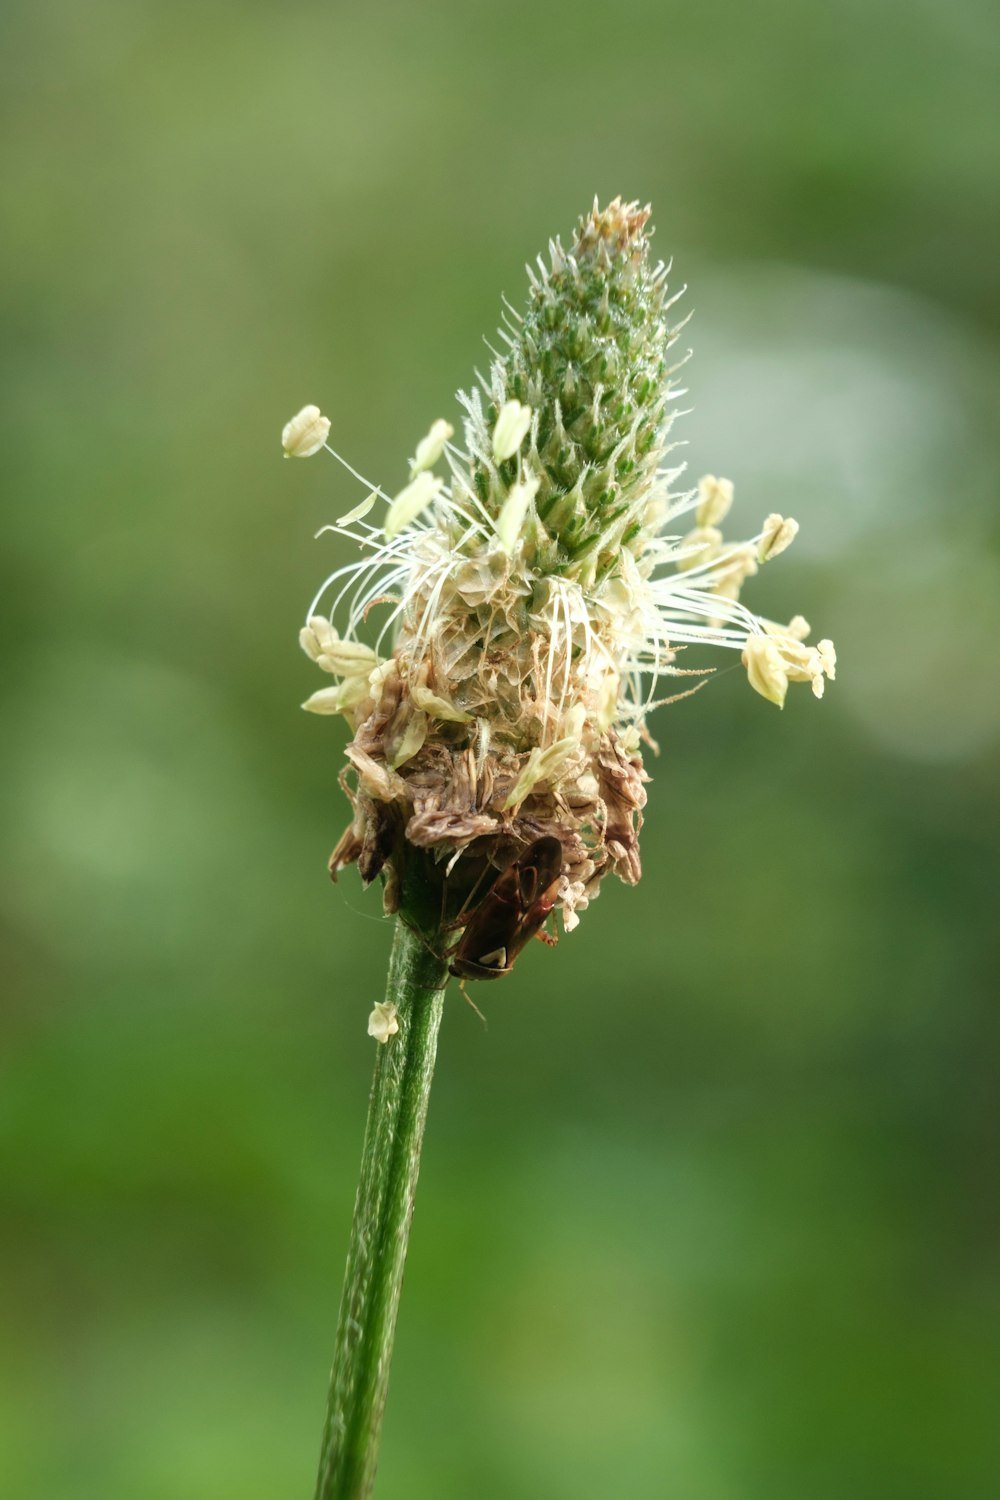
[{"x": 709, "y": 1211}]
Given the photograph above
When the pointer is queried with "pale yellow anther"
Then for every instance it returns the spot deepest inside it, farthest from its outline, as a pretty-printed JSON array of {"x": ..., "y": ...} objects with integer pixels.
[
  {"x": 316, "y": 635},
  {"x": 325, "y": 701},
  {"x": 778, "y": 533},
  {"x": 511, "y": 429},
  {"x": 380, "y": 675},
  {"x": 777, "y": 658},
  {"x": 320, "y": 641},
  {"x": 700, "y": 546},
  {"x": 403, "y": 747},
  {"x": 411, "y": 502},
  {"x": 828, "y": 658},
  {"x": 766, "y": 669},
  {"x": 541, "y": 765},
  {"x": 347, "y": 659},
  {"x": 513, "y": 511},
  {"x": 732, "y": 569},
  {"x": 434, "y": 705},
  {"x": 797, "y": 628},
  {"x": 306, "y": 433},
  {"x": 715, "y": 496},
  {"x": 336, "y": 700},
  {"x": 431, "y": 447},
  {"x": 383, "y": 1021}
]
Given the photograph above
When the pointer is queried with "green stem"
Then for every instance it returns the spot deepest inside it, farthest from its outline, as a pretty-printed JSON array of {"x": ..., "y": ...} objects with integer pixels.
[{"x": 390, "y": 1161}]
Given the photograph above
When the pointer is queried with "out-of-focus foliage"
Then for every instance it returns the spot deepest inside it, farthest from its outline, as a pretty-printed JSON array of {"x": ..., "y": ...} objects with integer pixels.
[{"x": 704, "y": 1213}]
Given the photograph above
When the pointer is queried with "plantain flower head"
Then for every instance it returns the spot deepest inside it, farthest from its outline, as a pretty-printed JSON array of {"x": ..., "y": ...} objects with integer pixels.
[{"x": 532, "y": 599}]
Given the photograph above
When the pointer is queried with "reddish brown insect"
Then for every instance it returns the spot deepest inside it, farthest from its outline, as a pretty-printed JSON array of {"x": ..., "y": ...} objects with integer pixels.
[{"x": 511, "y": 913}]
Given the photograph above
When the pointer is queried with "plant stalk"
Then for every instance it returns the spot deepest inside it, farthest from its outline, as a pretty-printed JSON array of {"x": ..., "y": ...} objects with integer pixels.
[{"x": 390, "y": 1162}]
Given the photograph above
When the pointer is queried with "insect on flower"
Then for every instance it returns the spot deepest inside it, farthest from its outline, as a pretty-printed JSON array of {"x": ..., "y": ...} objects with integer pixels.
[{"x": 513, "y": 911}]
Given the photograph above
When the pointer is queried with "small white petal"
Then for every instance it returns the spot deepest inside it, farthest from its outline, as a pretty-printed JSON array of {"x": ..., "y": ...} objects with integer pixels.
[
  {"x": 359, "y": 510},
  {"x": 513, "y": 511},
  {"x": 411, "y": 501},
  {"x": 306, "y": 433},
  {"x": 431, "y": 447},
  {"x": 383, "y": 1022},
  {"x": 511, "y": 429}
]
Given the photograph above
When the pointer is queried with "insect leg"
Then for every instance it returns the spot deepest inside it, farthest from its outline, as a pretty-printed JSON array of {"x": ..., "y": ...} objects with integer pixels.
[{"x": 469, "y": 1001}]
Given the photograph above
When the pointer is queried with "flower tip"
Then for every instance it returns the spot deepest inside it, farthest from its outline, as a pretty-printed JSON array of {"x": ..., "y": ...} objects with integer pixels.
[{"x": 306, "y": 433}]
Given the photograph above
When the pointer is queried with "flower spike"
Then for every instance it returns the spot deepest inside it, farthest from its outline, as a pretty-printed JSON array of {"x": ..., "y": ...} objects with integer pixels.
[{"x": 537, "y": 598}]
